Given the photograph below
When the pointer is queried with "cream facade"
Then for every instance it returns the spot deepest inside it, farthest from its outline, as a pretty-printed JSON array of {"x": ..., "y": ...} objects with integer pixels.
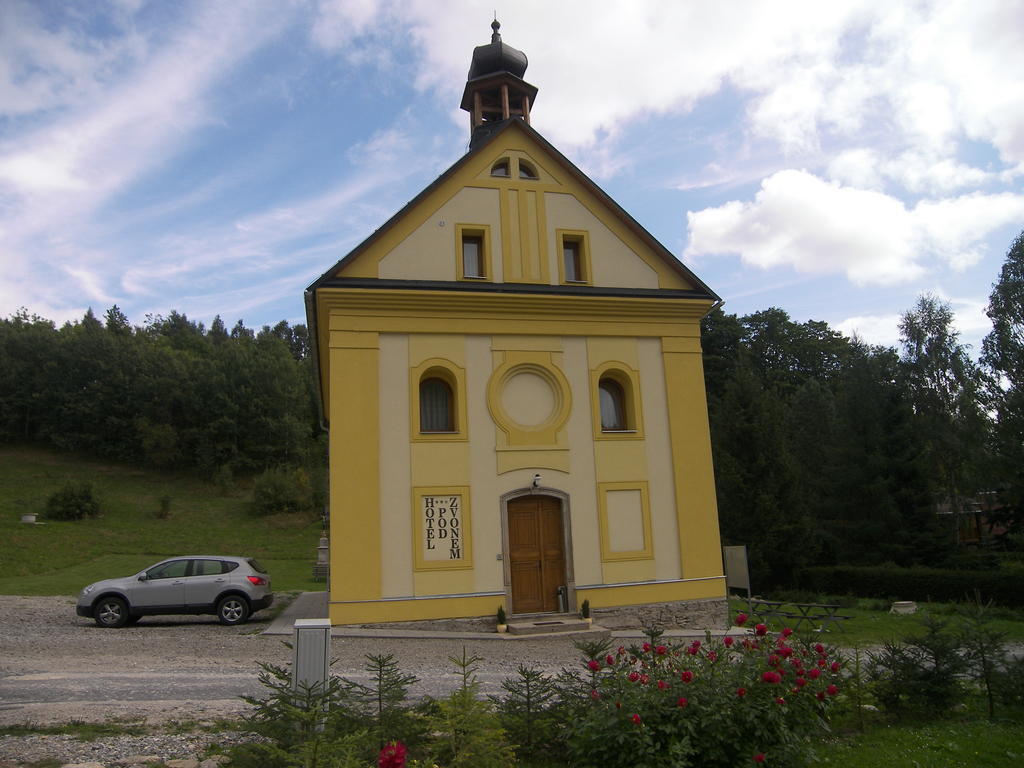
[{"x": 511, "y": 373}]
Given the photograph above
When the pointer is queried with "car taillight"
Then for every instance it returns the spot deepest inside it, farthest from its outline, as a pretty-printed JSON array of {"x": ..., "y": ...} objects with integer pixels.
[{"x": 257, "y": 580}]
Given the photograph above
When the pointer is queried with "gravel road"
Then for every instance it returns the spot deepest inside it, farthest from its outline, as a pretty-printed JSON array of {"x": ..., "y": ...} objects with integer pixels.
[{"x": 56, "y": 667}]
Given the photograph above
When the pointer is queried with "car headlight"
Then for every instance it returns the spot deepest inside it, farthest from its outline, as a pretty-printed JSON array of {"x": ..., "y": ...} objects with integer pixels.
[{"x": 88, "y": 589}]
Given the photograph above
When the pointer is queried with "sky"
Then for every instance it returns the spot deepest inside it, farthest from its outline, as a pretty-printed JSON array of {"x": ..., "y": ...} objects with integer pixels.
[{"x": 834, "y": 159}]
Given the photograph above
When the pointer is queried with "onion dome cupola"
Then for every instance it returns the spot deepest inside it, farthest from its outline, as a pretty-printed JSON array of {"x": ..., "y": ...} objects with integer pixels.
[{"x": 495, "y": 89}]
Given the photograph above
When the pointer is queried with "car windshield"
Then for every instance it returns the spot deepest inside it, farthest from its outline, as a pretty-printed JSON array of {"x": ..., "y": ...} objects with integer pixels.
[{"x": 254, "y": 564}]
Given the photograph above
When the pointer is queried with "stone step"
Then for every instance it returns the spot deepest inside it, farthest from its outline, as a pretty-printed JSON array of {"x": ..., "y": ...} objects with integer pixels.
[{"x": 547, "y": 625}]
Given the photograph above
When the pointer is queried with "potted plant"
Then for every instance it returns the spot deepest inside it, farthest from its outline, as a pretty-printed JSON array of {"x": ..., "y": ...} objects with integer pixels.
[
  {"x": 502, "y": 622},
  {"x": 585, "y": 612}
]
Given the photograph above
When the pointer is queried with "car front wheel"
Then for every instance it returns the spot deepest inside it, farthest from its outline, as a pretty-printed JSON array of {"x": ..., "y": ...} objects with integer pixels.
[
  {"x": 232, "y": 610},
  {"x": 111, "y": 612}
]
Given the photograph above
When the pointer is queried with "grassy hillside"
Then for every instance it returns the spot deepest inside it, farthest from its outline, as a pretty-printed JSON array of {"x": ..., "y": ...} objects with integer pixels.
[{"x": 57, "y": 558}]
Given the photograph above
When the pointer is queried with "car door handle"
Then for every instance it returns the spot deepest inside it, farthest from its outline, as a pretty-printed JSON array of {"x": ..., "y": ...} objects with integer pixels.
[{"x": 219, "y": 581}]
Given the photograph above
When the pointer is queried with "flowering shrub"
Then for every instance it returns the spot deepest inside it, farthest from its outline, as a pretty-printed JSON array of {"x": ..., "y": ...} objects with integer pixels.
[{"x": 711, "y": 703}]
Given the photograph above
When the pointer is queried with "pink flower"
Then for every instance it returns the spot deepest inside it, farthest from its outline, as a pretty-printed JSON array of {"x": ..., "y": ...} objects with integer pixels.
[
  {"x": 686, "y": 676},
  {"x": 636, "y": 719},
  {"x": 760, "y": 629},
  {"x": 728, "y": 642},
  {"x": 609, "y": 659},
  {"x": 832, "y": 690},
  {"x": 392, "y": 756},
  {"x": 741, "y": 619},
  {"x": 594, "y": 665},
  {"x": 683, "y": 702},
  {"x": 759, "y": 757},
  {"x": 741, "y": 692}
]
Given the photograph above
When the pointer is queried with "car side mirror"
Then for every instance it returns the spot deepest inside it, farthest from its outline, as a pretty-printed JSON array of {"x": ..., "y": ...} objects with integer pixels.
[{"x": 143, "y": 577}]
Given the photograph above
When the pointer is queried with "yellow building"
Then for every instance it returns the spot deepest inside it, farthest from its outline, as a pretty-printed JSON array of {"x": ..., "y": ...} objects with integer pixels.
[{"x": 511, "y": 373}]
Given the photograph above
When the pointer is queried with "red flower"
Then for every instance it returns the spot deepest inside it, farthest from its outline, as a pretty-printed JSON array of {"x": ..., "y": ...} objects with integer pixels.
[
  {"x": 832, "y": 690},
  {"x": 780, "y": 700},
  {"x": 785, "y": 651},
  {"x": 819, "y": 648},
  {"x": 392, "y": 756},
  {"x": 759, "y": 757},
  {"x": 760, "y": 629},
  {"x": 618, "y": 705},
  {"x": 800, "y": 682},
  {"x": 634, "y": 676},
  {"x": 609, "y": 659},
  {"x": 774, "y": 660},
  {"x": 786, "y": 632},
  {"x": 662, "y": 685},
  {"x": 595, "y": 695},
  {"x": 822, "y": 663},
  {"x": 771, "y": 677},
  {"x": 594, "y": 665},
  {"x": 683, "y": 702},
  {"x": 814, "y": 673},
  {"x": 728, "y": 642},
  {"x": 636, "y": 719},
  {"x": 661, "y": 650},
  {"x": 820, "y": 695},
  {"x": 622, "y": 650},
  {"x": 692, "y": 650},
  {"x": 835, "y": 666},
  {"x": 712, "y": 656},
  {"x": 741, "y": 619},
  {"x": 647, "y": 647},
  {"x": 741, "y": 692},
  {"x": 686, "y": 676},
  {"x": 644, "y": 679}
]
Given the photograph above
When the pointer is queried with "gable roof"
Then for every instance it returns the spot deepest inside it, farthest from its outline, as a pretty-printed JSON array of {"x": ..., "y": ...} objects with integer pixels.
[{"x": 516, "y": 123}]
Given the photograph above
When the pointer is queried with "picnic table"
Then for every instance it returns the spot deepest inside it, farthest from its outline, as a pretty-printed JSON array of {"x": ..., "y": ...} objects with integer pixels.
[{"x": 804, "y": 613}]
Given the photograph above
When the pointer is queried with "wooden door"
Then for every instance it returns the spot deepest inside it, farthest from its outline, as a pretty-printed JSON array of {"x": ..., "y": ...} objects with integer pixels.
[{"x": 536, "y": 548}]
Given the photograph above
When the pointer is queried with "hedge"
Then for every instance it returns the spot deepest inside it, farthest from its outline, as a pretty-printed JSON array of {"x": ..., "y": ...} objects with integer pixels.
[{"x": 891, "y": 582}]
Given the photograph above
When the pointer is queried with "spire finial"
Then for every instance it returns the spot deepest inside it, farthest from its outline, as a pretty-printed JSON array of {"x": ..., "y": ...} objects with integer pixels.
[{"x": 495, "y": 25}]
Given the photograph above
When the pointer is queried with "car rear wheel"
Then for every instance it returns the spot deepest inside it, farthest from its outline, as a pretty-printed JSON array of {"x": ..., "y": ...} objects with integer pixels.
[
  {"x": 232, "y": 610},
  {"x": 111, "y": 612}
]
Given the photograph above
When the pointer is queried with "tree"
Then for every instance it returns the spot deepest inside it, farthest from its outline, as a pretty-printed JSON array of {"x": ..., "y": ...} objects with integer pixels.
[
  {"x": 1003, "y": 356},
  {"x": 944, "y": 386}
]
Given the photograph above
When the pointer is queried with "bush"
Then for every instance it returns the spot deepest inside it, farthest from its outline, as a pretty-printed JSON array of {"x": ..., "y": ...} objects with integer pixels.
[
  {"x": 713, "y": 703},
  {"x": 73, "y": 502},
  {"x": 924, "y": 584},
  {"x": 282, "y": 491}
]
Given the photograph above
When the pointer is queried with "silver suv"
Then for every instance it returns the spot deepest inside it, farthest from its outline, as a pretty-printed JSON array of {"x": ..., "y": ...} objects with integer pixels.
[{"x": 233, "y": 588}]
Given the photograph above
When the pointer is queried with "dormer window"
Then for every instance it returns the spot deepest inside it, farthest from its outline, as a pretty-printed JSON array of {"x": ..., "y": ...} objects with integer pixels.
[
  {"x": 526, "y": 171},
  {"x": 501, "y": 169}
]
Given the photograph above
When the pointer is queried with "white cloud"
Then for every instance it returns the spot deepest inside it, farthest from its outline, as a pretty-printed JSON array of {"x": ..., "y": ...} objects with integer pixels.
[
  {"x": 799, "y": 220},
  {"x": 872, "y": 329}
]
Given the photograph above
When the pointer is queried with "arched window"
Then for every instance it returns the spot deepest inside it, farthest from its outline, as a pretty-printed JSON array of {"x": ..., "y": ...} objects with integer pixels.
[
  {"x": 613, "y": 406},
  {"x": 501, "y": 168},
  {"x": 437, "y": 406},
  {"x": 526, "y": 171}
]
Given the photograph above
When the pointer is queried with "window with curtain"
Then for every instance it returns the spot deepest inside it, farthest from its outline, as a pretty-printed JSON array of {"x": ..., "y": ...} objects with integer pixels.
[
  {"x": 437, "y": 406},
  {"x": 472, "y": 256},
  {"x": 613, "y": 405}
]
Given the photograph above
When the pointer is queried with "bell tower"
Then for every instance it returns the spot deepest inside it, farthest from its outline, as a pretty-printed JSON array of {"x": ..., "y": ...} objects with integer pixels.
[{"x": 495, "y": 89}]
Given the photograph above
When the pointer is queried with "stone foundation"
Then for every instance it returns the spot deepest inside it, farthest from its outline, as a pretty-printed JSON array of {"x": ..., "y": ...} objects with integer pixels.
[{"x": 709, "y": 613}]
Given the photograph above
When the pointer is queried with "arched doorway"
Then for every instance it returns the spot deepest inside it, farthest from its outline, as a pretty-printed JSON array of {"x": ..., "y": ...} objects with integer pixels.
[{"x": 536, "y": 552}]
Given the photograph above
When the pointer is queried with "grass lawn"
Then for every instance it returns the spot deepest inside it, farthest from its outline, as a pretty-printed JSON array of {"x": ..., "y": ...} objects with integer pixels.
[
  {"x": 974, "y": 744},
  {"x": 59, "y": 558},
  {"x": 872, "y": 624}
]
